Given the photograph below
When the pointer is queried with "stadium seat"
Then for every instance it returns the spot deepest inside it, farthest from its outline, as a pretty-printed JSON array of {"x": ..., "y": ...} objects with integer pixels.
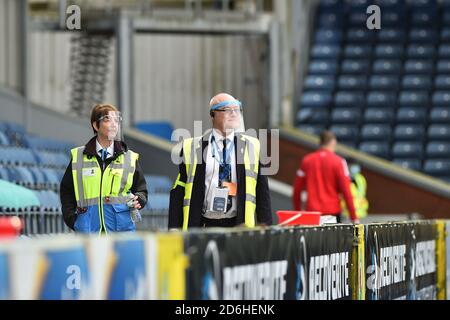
[
  {"x": 16, "y": 155},
  {"x": 437, "y": 167},
  {"x": 443, "y": 66},
  {"x": 376, "y": 132},
  {"x": 422, "y": 35},
  {"x": 378, "y": 149},
  {"x": 445, "y": 34},
  {"x": 349, "y": 99},
  {"x": 330, "y": 20},
  {"x": 357, "y": 19},
  {"x": 325, "y": 51},
  {"x": 413, "y": 98},
  {"x": 350, "y": 66},
  {"x": 439, "y": 132},
  {"x": 388, "y": 51},
  {"x": 347, "y": 82},
  {"x": 357, "y": 35},
  {"x": 391, "y": 35},
  {"x": 407, "y": 150},
  {"x": 391, "y": 19},
  {"x": 444, "y": 51},
  {"x": 4, "y": 141},
  {"x": 384, "y": 82},
  {"x": 158, "y": 184},
  {"x": 319, "y": 82},
  {"x": 440, "y": 115},
  {"x": 441, "y": 99},
  {"x": 345, "y": 116},
  {"x": 323, "y": 67},
  {"x": 411, "y": 115},
  {"x": 442, "y": 82},
  {"x": 405, "y": 132},
  {"x": 415, "y": 66},
  {"x": 161, "y": 129},
  {"x": 312, "y": 116},
  {"x": 438, "y": 149},
  {"x": 423, "y": 19},
  {"x": 412, "y": 164},
  {"x": 387, "y": 66},
  {"x": 316, "y": 99},
  {"x": 345, "y": 132},
  {"x": 381, "y": 99},
  {"x": 352, "y": 51},
  {"x": 376, "y": 115},
  {"x": 311, "y": 129},
  {"x": 416, "y": 82},
  {"x": 420, "y": 51},
  {"x": 328, "y": 36}
]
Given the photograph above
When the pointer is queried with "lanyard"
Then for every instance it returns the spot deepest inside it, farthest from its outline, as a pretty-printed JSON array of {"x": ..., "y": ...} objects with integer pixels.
[{"x": 215, "y": 150}]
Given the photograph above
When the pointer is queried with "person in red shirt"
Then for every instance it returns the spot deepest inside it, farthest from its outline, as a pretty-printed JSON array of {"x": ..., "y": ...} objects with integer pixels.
[{"x": 324, "y": 175}]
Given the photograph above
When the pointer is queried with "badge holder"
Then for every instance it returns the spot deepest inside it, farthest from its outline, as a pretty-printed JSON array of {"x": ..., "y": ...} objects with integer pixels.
[{"x": 219, "y": 200}]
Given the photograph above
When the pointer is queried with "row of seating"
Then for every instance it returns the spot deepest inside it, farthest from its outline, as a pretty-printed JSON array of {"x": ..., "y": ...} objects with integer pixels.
[
  {"x": 25, "y": 156},
  {"x": 32, "y": 177}
]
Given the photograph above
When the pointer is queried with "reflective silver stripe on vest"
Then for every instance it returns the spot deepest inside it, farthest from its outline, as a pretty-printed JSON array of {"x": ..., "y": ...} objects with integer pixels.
[
  {"x": 186, "y": 202},
  {"x": 249, "y": 197},
  {"x": 116, "y": 200},
  {"x": 114, "y": 165},
  {"x": 89, "y": 203},
  {"x": 127, "y": 169},
  {"x": 89, "y": 164},
  {"x": 79, "y": 170},
  {"x": 251, "y": 174},
  {"x": 251, "y": 155}
]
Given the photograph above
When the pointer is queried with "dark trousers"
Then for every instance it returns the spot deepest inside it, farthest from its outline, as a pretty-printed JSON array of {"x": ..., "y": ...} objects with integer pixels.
[{"x": 223, "y": 223}]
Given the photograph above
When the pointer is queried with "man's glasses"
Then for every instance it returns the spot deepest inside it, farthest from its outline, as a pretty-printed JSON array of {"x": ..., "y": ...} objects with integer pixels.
[{"x": 229, "y": 111}]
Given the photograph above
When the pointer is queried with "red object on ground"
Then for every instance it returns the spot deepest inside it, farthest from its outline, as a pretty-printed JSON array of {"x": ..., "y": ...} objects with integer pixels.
[
  {"x": 10, "y": 227},
  {"x": 294, "y": 218}
]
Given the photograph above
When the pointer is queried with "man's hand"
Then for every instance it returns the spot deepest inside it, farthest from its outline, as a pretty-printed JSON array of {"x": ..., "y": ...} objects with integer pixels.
[{"x": 136, "y": 203}]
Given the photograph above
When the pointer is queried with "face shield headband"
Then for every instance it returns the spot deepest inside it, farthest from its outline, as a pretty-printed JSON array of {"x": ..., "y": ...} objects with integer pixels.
[{"x": 226, "y": 103}]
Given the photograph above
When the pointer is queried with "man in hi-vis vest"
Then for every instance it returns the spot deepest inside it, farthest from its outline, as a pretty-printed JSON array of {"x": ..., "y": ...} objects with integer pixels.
[
  {"x": 103, "y": 186},
  {"x": 358, "y": 188},
  {"x": 219, "y": 183}
]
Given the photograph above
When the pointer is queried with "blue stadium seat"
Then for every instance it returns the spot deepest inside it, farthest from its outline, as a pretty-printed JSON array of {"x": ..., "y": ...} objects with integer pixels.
[
  {"x": 419, "y": 51},
  {"x": 16, "y": 155},
  {"x": 352, "y": 51},
  {"x": 21, "y": 174},
  {"x": 357, "y": 19},
  {"x": 348, "y": 82},
  {"x": 158, "y": 184},
  {"x": 438, "y": 149},
  {"x": 347, "y": 133},
  {"x": 315, "y": 99},
  {"x": 407, "y": 150},
  {"x": 444, "y": 51},
  {"x": 413, "y": 98},
  {"x": 4, "y": 141},
  {"x": 325, "y": 67},
  {"x": 441, "y": 99},
  {"x": 329, "y": 20},
  {"x": 423, "y": 4},
  {"x": 35, "y": 142},
  {"x": 357, "y": 35},
  {"x": 428, "y": 36},
  {"x": 389, "y": 51},
  {"x": 350, "y": 66},
  {"x": 4, "y": 173},
  {"x": 311, "y": 129},
  {"x": 437, "y": 167},
  {"x": 345, "y": 115},
  {"x": 443, "y": 66},
  {"x": 385, "y": 66},
  {"x": 381, "y": 99},
  {"x": 376, "y": 132},
  {"x": 161, "y": 129},
  {"x": 440, "y": 115},
  {"x": 423, "y": 19},
  {"x": 384, "y": 82},
  {"x": 416, "y": 82},
  {"x": 349, "y": 99},
  {"x": 391, "y": 35},
  {"x": 406, "y": 132},
  {"x": 446, "y": 18},
  {"x": 376, "y": 115},
  {"x": 419, "y": 66},
  {"x": 38, "y": 175},
  {"x": 51, "y": 176},
  {"x": 159, "y": 202},
  {"x": 412, "y": 164},
  {"x": 391, "y": 19},
  {"x": 48, "y": 158},
  {"x": 439, "y": 132},
  {"x": 378, "y": 149},
  {"x": 325, "y": 51},
  {"x": 442, "y": 82},
  {"x": 328, "y": 36},
  {"x": 445, "y": 34},
  {"x": 312, "y": 116},
  {"x": 322, "y": 82},
  {"x": 411, "y": 115}
]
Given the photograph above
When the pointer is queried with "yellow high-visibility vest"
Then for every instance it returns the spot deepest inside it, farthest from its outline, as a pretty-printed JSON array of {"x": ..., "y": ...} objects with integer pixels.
[{"x": 358, "y": 190}]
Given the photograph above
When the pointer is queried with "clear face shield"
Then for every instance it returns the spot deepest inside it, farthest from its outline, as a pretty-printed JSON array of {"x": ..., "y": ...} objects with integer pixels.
[
  {"x": 233, "y": 119},
  {"x": 110, "y": 126}
]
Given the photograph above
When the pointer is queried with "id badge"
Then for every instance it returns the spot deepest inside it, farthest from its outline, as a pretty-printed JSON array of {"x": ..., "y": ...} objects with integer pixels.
[
  {"x": 219, "y": 200},
  {"x": 88, "y": 172}
]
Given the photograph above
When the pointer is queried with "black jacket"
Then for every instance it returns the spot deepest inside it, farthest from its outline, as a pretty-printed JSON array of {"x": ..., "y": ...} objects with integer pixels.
[
  {"x": 263, "y": 206},
  {"x": 67, "y": 192}
]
